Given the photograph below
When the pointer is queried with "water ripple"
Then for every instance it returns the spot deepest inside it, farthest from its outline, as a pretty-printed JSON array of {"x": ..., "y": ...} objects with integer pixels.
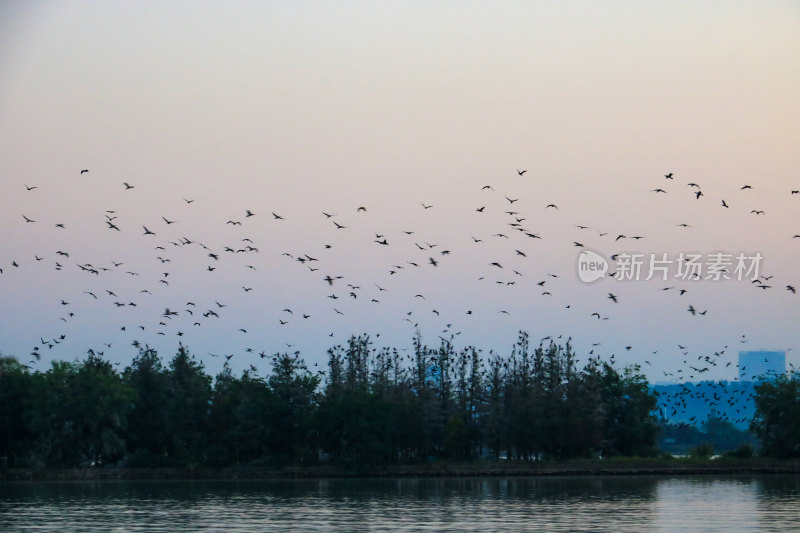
[{"x": 458, "y": 505}]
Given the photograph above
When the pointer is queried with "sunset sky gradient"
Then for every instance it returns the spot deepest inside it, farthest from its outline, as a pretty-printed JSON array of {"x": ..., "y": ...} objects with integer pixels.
[{"x": 302, "y": 107}]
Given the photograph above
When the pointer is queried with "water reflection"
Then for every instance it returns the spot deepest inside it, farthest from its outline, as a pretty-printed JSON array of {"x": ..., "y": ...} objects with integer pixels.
[{"x": 454, "y": 504}]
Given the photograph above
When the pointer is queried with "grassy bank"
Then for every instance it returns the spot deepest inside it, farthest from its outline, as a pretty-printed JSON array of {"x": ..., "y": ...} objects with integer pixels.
[{"x": 626, "y": 466}]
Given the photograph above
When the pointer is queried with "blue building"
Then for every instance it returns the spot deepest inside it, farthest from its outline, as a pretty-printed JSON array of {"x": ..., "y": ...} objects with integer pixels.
[{"x": 761, "y": 364}]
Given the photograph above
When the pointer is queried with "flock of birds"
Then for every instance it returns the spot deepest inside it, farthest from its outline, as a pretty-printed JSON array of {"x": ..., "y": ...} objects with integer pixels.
[{"x": 178, "y": 315}]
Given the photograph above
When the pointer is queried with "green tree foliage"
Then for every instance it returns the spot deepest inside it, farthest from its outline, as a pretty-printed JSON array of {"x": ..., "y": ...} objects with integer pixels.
[
  {"x": 630, "y": 427},
  {"x": 187, "y": 407},
  {"x": 744, "y": 451},
  {"x": 777, "y": 419},
  {"x": 16, "y": 437},
  {"x": 148, "y": 437},
  {"x": 720, "y": 433},
  {"x": 292, "y": 407},
  {"x": 375, "y": 406},
  {"x": 360, "y": 406},
  {"x": 78, "y": 413},
  {"x": 702, "y": 451}
]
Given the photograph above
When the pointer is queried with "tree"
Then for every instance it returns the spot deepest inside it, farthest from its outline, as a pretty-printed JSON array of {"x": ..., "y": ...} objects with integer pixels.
[
  {"x": 15, "y": 395},
  {"x": 630, "y": 425},
  {"x": 777, "y": 419},
  {"x": 374, "y": 410},
  {"x": 148, "y": 425},
  {"x": 79, "y": 413},
  {"x": 291, "y": 409},
  {"x": 187, "y": 407}
]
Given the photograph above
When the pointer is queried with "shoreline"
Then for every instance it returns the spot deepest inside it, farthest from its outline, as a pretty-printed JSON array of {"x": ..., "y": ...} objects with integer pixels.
[{"x": 443, "y": 470}]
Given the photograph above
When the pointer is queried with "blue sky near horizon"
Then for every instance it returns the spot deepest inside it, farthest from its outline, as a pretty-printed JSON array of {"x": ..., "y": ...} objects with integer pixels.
[{"x": 304, "y": 108}]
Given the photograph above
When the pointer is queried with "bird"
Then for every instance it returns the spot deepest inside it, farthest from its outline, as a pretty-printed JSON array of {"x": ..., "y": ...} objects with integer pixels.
[
  {"x": 84, "y": 171},
  {"x": 521, "y": 172},
  {"x": 724, "y": 204},
  {"x": 612, "y": 297},
  {"x": 276, "y": 216},
  {"x": 30, "y": 188},
  {"x": 28, "y": 219},
  {"x": 127, "y": 185},
  {"x": 147, "y": 231}
]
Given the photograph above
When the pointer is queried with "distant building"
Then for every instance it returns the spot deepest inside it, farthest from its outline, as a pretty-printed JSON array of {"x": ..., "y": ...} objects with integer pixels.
[{"x": 761, "y": 364}]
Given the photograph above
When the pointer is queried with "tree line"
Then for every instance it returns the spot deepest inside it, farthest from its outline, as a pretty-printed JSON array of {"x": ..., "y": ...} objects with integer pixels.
[{"x": 372, "y": 406}]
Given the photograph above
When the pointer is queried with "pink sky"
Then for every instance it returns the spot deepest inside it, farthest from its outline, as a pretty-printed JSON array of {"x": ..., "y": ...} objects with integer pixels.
[{"x": 303, "y": 108}]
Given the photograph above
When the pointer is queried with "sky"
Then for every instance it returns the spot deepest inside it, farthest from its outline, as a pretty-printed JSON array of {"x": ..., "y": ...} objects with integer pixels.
[{"x": 309, "y": 109}]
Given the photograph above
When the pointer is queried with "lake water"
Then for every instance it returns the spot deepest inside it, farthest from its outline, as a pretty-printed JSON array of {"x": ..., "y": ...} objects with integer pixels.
[{"x": 603, "y": 503}]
